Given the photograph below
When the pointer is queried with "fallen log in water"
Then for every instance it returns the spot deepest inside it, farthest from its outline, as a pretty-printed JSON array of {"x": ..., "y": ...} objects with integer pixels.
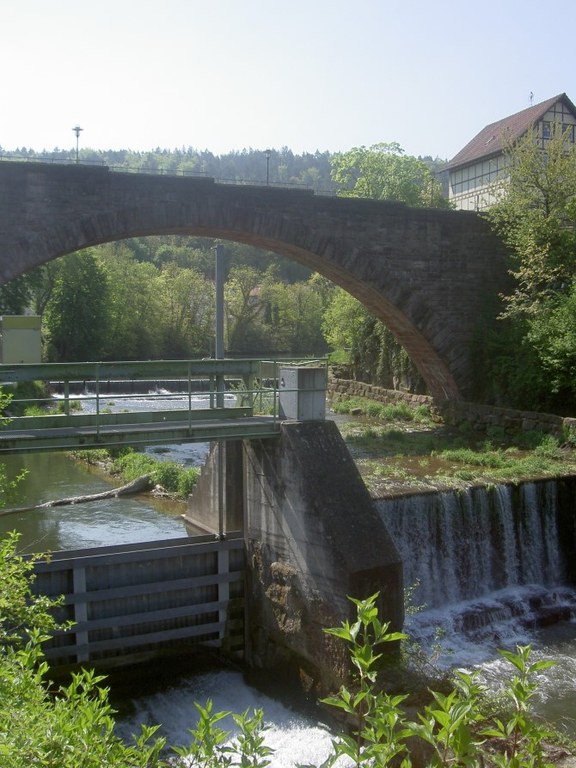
[{"x": 138, "y": 485}]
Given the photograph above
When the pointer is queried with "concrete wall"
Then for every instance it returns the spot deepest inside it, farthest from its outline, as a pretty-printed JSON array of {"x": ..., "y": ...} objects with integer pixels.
[
  {"x": 313, "y": 537},
  {"x": 217, "y": 504}
]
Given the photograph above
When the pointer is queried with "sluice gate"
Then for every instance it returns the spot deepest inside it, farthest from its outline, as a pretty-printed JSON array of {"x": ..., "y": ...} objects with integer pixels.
[{"x": 141, "y": 598}]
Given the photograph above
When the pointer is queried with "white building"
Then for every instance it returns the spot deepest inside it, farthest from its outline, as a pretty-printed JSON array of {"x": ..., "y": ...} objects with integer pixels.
[{"x": 474, "y": 171}]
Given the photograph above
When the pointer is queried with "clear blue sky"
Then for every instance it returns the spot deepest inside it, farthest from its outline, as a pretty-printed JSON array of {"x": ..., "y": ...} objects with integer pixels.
[{"x": 310, "y": 75}]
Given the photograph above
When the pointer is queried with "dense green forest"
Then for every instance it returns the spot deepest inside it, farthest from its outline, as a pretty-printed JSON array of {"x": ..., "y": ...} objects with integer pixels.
[{"x": 311, "y": 170}]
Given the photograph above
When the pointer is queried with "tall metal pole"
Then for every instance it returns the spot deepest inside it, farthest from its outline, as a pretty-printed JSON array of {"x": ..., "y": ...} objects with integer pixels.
[
  {"x": 219, "y": 355},
  {"x": 268, "y": 153},
  {"x": 220, "y": 278},
  {"x": 219, "y": 330}
]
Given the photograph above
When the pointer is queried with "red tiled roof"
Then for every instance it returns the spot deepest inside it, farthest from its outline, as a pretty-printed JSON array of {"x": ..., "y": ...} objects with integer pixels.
[{"x": 493, "y": 138}]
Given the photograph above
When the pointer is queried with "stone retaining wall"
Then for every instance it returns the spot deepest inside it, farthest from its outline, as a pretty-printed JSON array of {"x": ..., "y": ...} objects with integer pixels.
[{"x": 453, "y": 412}]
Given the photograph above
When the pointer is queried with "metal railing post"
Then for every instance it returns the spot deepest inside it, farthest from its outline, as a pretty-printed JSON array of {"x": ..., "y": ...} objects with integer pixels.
[
  {"x": 212, "y": 391},
  {"x": 275, "y": 391},
  {"x": 67, "y": 397},
  {"x": 189, "y": 394},
  {"x": 97, "y": 385}
]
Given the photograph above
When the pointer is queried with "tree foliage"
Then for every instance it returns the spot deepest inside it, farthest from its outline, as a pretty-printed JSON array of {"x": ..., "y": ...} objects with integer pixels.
[
  {"x": 375, "y": 355},
  {"x": 134, "y": 306},
  {"x": 536, "y": 217},
  {"x": 77, "y": 318},
  {"x": 70, "y": 728},
  {"x": 384, "y": 172}
]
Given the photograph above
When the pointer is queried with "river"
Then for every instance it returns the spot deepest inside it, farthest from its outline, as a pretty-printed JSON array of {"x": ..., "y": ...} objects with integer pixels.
[
  {"x": 122, "y": 520},
  {"x": 297, "y": 737}
]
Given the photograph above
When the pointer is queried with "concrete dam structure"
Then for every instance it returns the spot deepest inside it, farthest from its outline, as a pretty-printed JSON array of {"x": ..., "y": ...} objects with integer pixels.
[{"x": 313, "y": 537}]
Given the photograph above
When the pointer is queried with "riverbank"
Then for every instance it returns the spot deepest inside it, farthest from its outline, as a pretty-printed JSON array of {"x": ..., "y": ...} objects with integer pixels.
[
  {"x": 403, "y": 449},
  {"x": 399, "y": 448},
  {"x": 169, "y": 479}
]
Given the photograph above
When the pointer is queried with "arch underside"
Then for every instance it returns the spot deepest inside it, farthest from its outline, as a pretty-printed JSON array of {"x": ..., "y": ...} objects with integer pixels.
[{"x": 428, "y": 360}]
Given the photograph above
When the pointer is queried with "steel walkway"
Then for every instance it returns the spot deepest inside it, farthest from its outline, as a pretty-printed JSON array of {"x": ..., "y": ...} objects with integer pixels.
[
  {"x": 217, "y": 400},
  {"x": 153, "y": 433}
]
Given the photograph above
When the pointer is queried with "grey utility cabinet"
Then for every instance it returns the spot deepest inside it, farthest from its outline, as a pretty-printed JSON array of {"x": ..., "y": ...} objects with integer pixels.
[{"x": 302, "y": 393}]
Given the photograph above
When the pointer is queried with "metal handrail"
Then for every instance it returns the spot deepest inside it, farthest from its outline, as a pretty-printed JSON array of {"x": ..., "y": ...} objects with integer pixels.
[
  {"x": 258, "y": 379},
  {"x": 172, "y": 172}
]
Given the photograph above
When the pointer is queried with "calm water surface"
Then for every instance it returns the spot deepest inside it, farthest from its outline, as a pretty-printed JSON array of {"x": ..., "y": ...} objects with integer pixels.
[{"x": 123, "y": 520}]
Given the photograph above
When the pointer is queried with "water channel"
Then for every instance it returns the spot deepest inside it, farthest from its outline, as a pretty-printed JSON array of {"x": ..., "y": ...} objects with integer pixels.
[
  {"x": 295, "y": 736},
  {"x": 477, "y": 614}
]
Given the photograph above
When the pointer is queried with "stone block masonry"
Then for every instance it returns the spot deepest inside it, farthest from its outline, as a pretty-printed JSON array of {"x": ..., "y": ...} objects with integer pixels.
[
  {"x": 428, "y": 274},
  {"x": 453, "y": 413}
]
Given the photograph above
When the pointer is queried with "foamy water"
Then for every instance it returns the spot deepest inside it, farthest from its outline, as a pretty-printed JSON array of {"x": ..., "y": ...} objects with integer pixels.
[{"x": 294, "y": 738}]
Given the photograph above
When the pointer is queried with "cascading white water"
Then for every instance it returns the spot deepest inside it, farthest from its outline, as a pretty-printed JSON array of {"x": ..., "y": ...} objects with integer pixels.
[
  {"x": 295, "y": 739},
  {"x": 486, "y": 566},
  {"x": 461, "y": 545}
]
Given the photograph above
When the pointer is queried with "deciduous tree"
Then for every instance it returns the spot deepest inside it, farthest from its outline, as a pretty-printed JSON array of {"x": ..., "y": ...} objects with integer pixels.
[
  {"x": 536, "y": 217},
  {"x": 384, "y": 172},
  {"x": 76, "y": 318}
]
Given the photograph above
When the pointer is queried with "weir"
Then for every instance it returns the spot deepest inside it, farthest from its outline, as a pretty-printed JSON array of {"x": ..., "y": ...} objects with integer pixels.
[
  {"x": 487, "y": 564},
  {"x": 305, "y": 534}
]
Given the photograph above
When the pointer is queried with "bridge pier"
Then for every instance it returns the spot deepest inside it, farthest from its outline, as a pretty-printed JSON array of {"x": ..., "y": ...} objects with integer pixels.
[{"x": 313, "y": 537}]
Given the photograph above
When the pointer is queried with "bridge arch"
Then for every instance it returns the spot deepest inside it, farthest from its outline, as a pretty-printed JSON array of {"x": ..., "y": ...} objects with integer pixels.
[{"x": 425, "y": 273}]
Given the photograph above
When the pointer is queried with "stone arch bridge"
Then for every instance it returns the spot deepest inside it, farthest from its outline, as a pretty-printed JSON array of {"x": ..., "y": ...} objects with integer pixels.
[{"x": 427, "y": 274}]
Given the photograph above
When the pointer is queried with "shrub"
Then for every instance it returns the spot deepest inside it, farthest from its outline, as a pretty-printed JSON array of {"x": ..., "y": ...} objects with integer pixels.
[
  {"x": 70, "y": 728},
  {"x": 452, "y": 726},
  {"x": 170, "y": 475}
]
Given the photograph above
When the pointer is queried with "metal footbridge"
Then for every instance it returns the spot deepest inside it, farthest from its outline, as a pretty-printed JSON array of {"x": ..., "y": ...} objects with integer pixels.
[{"x": 67, "y": 406}]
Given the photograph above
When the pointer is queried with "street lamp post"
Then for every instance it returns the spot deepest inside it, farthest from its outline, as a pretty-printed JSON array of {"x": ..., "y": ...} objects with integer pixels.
[
  {"x": 268, "y": 153},
  {"x": 77, "y": 130}
]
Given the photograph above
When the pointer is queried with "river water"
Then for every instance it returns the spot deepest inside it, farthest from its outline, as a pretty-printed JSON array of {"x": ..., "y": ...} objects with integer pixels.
[
  {"x": 489, "y": 569},
  {"x": 122, "y": 520},
  {"x": 474, "y": 624},
  {"x": 295, "y": 737}
]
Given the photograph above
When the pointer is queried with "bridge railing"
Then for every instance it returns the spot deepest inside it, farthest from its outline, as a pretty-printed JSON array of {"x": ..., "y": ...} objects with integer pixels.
[
  {"x": 109, "y": 394},
  {"x": 115, "y": 392},
  {"x": 184, "y": 172}
]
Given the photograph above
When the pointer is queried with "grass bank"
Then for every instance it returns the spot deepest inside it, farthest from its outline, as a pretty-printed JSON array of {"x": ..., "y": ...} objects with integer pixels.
[
  {"x": 399, "y": 449},
  {"x": 128, "y": 464}
]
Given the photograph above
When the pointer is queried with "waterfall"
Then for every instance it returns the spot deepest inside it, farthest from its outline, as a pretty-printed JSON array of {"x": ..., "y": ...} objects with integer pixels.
[
  {"x": 459, "y": 545},
  {"x": 486, "y": 563}
]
